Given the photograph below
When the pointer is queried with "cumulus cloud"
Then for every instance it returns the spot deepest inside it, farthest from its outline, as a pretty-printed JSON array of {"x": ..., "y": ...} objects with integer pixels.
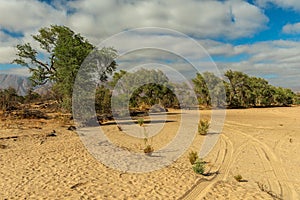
[
  {"x": 291, "y": 28},
  {"x": 97, "y": 20},
  {"x": 280, "y": 58},
  {"x": 206, "y": 21},
  {"x": 229, "y": 19},
  {"x": 24, "y": 16}
]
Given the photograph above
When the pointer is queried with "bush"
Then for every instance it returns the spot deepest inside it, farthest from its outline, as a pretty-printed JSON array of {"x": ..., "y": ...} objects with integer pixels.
[
  {"x": 203, "y": 127},
  {"x": 193, "y": 156},
  {"x": 148, "y": 149},
  {"x": 238, "y": 178},
  {"x": 199, "y": 166},
  {"x": 141, "y": 121}
]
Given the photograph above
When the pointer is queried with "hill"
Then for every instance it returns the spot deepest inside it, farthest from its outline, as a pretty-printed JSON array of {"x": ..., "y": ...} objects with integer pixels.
[{"x": 20, "y": 83}]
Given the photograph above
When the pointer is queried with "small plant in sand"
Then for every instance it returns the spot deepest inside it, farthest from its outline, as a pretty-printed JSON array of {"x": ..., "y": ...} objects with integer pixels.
[
  {"x": 141, "y": 121},
  {"x": 238, "y": 178},
  {"x": 148, "y": 147},
  {"x": 193, "y": 157},
  {"x": 203, "y": 127},
  {"x": 199, "y": 166}
]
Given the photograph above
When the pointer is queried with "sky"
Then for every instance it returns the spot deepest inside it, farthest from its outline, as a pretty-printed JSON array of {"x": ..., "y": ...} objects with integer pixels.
[{"x": 258, "y": 37}]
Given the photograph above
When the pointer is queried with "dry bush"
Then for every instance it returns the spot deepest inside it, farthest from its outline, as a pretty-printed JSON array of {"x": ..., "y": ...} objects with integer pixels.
[
  {"x": 238, "y": 178},
  {"x": 203, "y": 127},
  {"x": 193, "y": 156}
]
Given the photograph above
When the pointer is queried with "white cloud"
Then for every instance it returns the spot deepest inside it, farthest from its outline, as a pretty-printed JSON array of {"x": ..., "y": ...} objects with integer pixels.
[
  {"x": 291, "y": 28},
  {"x": 7, "y": 54},
  {"x": 206, "y": 20},
  {"x": 97, "y": 20},
  {"x": 230, "y": 19},
  {"x": 280, "y": 57},
  {"x": 28, "y": 15}
]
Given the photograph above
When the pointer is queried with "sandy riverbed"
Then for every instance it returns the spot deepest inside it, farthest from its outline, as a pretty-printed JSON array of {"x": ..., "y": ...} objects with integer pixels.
[{"x": 263, "y": 145}]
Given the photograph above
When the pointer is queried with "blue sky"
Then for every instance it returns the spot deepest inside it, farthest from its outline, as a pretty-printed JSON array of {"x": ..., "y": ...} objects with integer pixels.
[{"x": 258, "y": 37}]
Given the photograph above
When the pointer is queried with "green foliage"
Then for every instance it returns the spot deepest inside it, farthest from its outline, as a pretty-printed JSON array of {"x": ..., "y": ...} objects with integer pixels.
[
  {"x": 201, "y": 90},
  {"x": 203, "y": 127},
  {"x": 102, "y": 100},
  {"x": 243, "y": 91},
  {"x": 66, "y": 52},
  {"x": 210, "y": 89},
  {"x": 193, "y": 157},
  {"x": 199, "y": 166},
  {"x": 141, "y": 121},
  {"x": 297, "y": 98},
  {"x": 238, "y": 178},
  {"x": 131, "y": 87}
]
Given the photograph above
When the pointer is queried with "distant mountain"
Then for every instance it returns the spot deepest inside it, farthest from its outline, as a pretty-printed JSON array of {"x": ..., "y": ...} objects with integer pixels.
[{"x": 20, "y": 83}]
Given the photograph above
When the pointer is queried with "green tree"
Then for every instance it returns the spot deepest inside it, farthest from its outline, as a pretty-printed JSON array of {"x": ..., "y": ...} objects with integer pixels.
[
  {"x": 66, "y": 51},
  {"x": 102, "y": 100},
  {"x": 284, "y": 97},
  {"x": 145, "y": 87},
  {"x": 239, "y": 92},
  {"x": 201, "y": 90},
  {"x": 210, "y": 89},
  {"x": 246, "y": 91}
]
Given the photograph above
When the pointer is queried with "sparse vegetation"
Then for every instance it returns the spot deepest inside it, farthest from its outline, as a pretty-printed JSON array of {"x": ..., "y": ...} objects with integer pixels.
[
  {"x": 193, "y": 157},
  {"x": 9, "y": 99},
  {"x": 148, "y": 147},
  {"x": 141, "y": 121},
  {"x": 203, "y": 127},
  {"x": 199, "y": 166},
  {"x": 238, "y": 178}
]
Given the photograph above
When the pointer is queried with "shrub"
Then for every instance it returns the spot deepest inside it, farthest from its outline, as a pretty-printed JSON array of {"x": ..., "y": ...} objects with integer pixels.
[
  {"x": 148, "y": 149},
  {"x": 238, "y": 178},
  {"x": 199, "y": 166},
  {"x": 193, "y": 156},
  {"x": 203, "y": 127},
  {"x": 141, "y": 121}
]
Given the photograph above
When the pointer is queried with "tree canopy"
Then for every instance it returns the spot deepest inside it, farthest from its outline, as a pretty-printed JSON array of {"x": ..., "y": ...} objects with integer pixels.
[{"x": 61, "y": 53}]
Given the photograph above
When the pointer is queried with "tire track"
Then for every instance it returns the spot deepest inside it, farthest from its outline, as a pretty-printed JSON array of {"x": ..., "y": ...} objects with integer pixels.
[
  {"x": 223, "y": 159},
  {"x": 269, "y": 157}
]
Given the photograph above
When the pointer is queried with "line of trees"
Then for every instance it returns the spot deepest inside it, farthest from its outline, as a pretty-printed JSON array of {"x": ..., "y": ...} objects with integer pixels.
[
  {"x": 67, "y": 51},
  {"x": 242, "y": 91}
]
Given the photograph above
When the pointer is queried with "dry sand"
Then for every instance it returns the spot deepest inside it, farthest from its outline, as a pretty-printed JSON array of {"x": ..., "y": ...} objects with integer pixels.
[{"x": 263, "y": 145}]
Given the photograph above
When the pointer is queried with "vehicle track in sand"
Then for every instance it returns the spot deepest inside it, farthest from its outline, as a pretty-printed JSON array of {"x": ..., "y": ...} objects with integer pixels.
[
  {"x": 227, "y": 156},
  {"x": 277, "y": 178},
  {"x": 221, "y": 163}
]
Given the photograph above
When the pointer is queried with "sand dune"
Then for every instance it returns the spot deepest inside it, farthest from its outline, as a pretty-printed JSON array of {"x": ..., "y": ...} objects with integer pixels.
[{"x": 260, "y": 144}]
